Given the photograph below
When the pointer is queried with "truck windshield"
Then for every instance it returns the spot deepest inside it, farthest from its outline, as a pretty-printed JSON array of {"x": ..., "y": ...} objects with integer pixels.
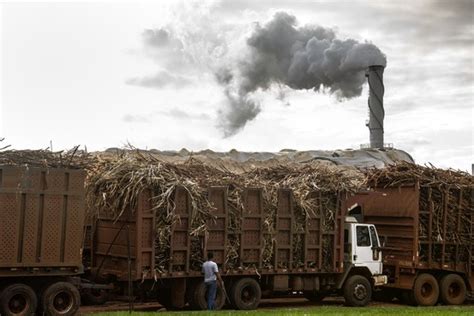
[
  {"x": 363, "y": 238},
  {"x": 373, "y": 235}
]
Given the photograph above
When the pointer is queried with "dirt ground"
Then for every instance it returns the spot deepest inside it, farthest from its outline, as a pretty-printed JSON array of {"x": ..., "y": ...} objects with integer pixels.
[{"x": 274, "y": 303}]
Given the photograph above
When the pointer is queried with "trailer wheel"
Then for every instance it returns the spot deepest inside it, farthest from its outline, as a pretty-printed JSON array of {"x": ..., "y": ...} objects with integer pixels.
[
  {"x": 61, "y": 298},
  {"x": 357, "y": 291},
  {"x": 452, "y": 289},
  {"x": 426, "y": 290},
  {"x": 245, "y": 294},
  {"x": 199, "y": 297},
  {"x": 18, "y": 299}
]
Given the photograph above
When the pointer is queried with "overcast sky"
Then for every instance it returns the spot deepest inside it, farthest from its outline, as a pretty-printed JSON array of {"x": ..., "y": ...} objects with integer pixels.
[{"x": 104, "y": 74}]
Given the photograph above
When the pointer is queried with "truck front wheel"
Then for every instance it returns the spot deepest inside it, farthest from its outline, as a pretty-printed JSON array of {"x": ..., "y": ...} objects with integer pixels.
[
  {"x": 452, "y": 289},
  {"x": 18, "y": 299},
  {"x": 426, "y": 290},
  {"x": 357, "y": 291}
]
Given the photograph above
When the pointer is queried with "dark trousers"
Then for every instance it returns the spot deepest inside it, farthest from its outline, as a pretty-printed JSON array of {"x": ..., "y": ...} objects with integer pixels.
[{"x": 211, "y": 288}]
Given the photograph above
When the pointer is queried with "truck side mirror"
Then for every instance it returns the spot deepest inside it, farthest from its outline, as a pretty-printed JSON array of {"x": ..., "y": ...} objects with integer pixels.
[{"x": 384, "y": 242}]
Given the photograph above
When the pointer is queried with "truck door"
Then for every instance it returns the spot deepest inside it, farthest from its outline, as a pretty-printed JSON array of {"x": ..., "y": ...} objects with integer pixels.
[{"x": 365, "y": 254}]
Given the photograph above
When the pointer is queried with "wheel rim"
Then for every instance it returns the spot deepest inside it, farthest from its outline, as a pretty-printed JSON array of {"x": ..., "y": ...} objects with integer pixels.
[
  {"x": 248, "y": 295},
  {"x": 18, "y": 304},
  {"x": 360, "y": 292},
  {"x": 454, "y": 290},
  {"x": 63, "y": 302},
  {"x": 426, "y": 290}
]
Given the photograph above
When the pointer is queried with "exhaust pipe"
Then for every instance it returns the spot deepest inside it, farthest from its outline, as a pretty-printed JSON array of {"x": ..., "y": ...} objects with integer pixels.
[{"x": 376, "y": 111}]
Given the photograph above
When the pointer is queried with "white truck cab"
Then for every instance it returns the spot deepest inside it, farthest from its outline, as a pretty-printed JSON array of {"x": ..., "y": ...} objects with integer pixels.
[{"x": 362, "y": 249}]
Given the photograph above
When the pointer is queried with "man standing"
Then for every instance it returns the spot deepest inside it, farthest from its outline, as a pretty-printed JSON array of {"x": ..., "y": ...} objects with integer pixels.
[{"x": 211, "y": 274}]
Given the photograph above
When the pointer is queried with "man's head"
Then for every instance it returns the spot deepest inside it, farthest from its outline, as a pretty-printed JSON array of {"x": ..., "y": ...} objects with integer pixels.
[{"x": 210, "y": 255}]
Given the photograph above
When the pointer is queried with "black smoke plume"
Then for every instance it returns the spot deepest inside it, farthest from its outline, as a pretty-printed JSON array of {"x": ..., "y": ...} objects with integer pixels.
[{"x": 308, "y": 57}]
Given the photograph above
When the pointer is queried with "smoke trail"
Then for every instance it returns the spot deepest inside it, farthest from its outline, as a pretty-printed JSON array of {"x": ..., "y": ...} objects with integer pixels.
[{"x": 309, "y": 57}]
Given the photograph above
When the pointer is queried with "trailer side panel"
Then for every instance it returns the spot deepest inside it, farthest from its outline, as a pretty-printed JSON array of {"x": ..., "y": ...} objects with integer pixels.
[{"x": 41, "y": 221}]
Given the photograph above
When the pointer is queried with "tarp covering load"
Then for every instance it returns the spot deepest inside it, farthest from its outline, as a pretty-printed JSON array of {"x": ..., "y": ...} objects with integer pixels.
[
  {"x": 241, "y": 161},
  {"x": 116, "y": 182},
  {"x": 445, "y": 207}
]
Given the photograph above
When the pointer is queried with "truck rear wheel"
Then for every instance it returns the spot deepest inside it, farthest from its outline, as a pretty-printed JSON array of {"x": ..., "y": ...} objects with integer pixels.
[
  {"x": 61, "y": 298},
  {"x": 452, "y": 290},
  {"x": 245, "y": 294},
  {"x": 199, "y": 298},
  {"x": 426, "y": 290},
  {"x": 18, "y": 299},
  {"x": 357, "y": 291}
]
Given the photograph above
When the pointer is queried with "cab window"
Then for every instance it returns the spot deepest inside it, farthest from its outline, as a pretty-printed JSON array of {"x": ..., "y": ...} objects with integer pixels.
[
  {"x": 363, "y": 238},
  {"x": 373, "y": 235}
]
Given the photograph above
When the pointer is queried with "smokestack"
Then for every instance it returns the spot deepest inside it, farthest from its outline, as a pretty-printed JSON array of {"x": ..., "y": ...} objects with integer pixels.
[{"x": 376, "y": 111}]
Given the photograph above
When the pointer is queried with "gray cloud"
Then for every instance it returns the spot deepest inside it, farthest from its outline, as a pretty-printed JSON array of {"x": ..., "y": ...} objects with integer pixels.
[
  {"x": 159, "y": 80},
  {"x": 135, "y": 118},
  {"x": 179, "y": 114},
  {"x": 174, "y": 113}
]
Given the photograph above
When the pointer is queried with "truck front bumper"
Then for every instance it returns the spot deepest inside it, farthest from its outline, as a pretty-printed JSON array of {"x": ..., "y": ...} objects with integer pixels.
[{"x": 380, "y": 280}]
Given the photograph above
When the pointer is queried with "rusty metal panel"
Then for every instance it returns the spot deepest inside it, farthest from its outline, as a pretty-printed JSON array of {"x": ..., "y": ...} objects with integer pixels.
[
  {"x": 252, "y": 223},
  {"x": 313, "y": 241},
  {"x": 74, "y": 236},
  {"x": 394, "y": 211},
  {"x": 180, "y": 239},
  {"x": 145, "y": 233},
  {"x": 110, "y": 246},
  {"x": 9, "y": 223},
  {"x": 52, "y": 227},
  {"x": 388, "y": 202},
  {"x": 30, "y": 232},
  {"x": 41, "y": 225},
  {"x": 217, "y": 226},
  {"x": 284, "y": 230},
  {"x": 111, "y": 237}
]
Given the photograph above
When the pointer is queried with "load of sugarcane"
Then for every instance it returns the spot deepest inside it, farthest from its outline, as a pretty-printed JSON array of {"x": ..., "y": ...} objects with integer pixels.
[
  {"x": 115, "y": 183},
  {"x": 45, "y": 158},
  {"x": 446, "y": 199}
]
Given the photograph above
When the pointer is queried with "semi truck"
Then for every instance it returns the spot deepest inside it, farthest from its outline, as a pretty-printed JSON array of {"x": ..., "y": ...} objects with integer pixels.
[
  {"x": 42, "y": 215},
  {"x": 343, "y": 258},
  {"x": 428, "y": 241},
  {"x": 41, "y": 231}
]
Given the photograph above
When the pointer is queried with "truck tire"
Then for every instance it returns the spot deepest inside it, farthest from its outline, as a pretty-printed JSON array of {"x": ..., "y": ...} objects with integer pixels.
[
  {"x": 199, "y": 298},
  {"x": 357, "y": 291},
  {"x": 19, "y": 300},
  {"x": 426, "y": 290},
  {"x": 61, "y": 298},
  {"x": 245, "y": 294},
  {"x": 452, "y": 290}
]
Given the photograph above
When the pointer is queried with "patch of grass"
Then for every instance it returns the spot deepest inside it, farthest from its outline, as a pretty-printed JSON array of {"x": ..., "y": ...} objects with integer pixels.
[{"x": 322, "y": 310}]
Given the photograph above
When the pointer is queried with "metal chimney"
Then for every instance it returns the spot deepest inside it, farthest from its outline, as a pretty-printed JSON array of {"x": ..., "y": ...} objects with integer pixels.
[{"x": 376, "y": 111}]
